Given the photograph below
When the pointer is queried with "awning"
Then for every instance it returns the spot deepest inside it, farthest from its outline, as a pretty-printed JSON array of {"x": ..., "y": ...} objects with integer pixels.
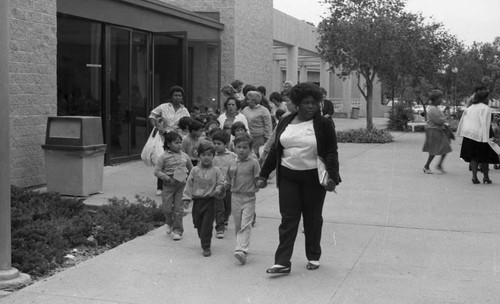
[{"x": 148, "y": 15}]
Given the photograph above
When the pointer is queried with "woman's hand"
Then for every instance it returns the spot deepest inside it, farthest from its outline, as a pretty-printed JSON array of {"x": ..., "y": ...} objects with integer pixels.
[{"x": 330, "y": 185}]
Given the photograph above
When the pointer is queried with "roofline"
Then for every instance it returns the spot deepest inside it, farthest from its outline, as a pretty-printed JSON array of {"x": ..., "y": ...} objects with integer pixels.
[{"x": 175, "y": 11}]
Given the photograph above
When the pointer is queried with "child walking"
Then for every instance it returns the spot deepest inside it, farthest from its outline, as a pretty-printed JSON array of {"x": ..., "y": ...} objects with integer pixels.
[
  {"x": 190, "y": 142},
  {"x": 222, "y": 159},
  {"x": 204, "y": 184},
  {"x": 241, "y": 175},
  {"x": 172, "y": 168},
  {"x": 238, "y": 128}
]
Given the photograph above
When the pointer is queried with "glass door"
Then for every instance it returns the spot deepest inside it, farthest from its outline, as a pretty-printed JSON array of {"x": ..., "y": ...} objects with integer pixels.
[
  {"x": 128, "y": 92},
  {"x": 139, "y": 93},
  {"x": 169, "y": 65},
  {"x": 119, "y": 99}
]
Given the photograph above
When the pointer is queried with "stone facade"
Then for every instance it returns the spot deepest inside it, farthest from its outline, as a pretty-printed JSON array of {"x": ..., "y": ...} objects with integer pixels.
[{"x": 33, "y": 85}]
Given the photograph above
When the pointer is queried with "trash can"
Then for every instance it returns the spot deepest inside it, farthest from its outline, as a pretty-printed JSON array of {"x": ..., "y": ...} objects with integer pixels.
[
  {"x": 354, "y": 113},
  {"x": 74, "y": 155}
]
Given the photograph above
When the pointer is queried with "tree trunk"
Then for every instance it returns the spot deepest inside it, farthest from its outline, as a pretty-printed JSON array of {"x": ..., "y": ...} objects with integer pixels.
[{"x": 369, "y": 104}]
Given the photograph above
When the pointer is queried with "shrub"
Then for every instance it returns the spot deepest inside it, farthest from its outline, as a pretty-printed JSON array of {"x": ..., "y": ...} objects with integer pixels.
[
  {"x": 364, "y": 136},
  {"x": 399, "y": 116},
  {"x": 46, "y": 227}
]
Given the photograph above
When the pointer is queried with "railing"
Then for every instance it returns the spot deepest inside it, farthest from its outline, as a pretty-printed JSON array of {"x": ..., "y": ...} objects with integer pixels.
[
  {"x": 356, "y": 103},
  {"x": 338, "y": 106}
]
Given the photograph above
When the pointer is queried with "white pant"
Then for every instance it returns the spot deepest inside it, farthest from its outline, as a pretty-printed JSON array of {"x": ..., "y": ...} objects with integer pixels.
[{"x": 243, "y": 210}]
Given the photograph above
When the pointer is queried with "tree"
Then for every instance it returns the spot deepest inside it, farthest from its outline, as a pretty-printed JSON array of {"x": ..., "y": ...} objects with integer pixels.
[{"x": 378, "y": 38}]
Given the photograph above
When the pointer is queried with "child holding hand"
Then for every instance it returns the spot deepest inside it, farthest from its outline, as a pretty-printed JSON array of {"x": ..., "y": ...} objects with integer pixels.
[
  {"x": 240, "y": 178},
  {"x": 172, "y": 168},
  {"x": 204, "y": 184},
  {"x": 222, "y": 159}
]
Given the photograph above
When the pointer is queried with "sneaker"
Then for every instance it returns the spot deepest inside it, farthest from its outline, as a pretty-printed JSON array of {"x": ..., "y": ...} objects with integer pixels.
[
  {"x": 220, "y": 234},
  {"x": 241, "y": 256},
  {"x": 169, "y": 229},
  {"x": 207, "y": 252},
  {"x": 177, "y": 237},
  {"x": 158, "y": 192}
]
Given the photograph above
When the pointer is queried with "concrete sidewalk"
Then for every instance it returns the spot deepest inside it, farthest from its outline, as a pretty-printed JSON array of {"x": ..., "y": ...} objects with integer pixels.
[{"x": 391, "y": 235}]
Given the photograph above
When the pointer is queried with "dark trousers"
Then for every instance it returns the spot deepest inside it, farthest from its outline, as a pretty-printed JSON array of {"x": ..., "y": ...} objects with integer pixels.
[
  {"x": 159, "y": 184},
  {"x": 219, "y": 215},
  {"x": 222, "y": 211},
  {"x": 300, "y": 194},
  {"x": 203, "y": 219}
]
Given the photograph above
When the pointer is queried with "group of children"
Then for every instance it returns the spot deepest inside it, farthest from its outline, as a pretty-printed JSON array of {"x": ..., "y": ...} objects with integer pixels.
[{"x": 218, "y": 182}]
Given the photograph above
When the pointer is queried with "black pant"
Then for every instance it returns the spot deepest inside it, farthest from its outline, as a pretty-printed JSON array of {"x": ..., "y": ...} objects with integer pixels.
[
  {"x": 203, "y": 219},
  {"x": 300, "y": 194}
]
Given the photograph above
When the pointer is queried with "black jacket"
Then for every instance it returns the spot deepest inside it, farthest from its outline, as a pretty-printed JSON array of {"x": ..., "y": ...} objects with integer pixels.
[{"x": 326, "y": 140}]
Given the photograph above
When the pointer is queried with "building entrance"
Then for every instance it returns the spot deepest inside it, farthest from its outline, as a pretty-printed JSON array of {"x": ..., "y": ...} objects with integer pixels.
[{"x": 119, "y": 74}]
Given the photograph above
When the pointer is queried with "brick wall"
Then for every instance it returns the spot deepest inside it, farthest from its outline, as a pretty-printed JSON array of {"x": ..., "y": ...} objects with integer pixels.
[{"x": 33, "y": 86}]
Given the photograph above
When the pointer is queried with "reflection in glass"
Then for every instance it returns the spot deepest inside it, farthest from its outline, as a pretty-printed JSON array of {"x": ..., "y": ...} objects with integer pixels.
[
  {"x": 167, "y": 66},
  {"x": 79, "y": 67},
  {"x": 138, "y": 92},
  {"x": 119, "y": 91}
]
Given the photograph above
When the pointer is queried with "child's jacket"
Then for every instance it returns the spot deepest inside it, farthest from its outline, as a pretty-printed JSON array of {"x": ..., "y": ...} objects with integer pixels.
[
  {"x": 241, "y": 174},
  {"x": 171, "y": 163},
  {"x": 223, "y": 160},
  {"x": 202, "y": 182}
]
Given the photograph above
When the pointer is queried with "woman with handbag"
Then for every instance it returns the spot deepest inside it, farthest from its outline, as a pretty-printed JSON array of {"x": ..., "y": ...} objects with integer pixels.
[
  {"x": 475, "y": 128},
  {"x": 437, "y": 142},
  {"x": 301, "y": 138}
]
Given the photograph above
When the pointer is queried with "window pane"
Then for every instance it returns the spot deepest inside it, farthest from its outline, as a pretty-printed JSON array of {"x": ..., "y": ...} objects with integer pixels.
[{"x": 79, "y": 67}]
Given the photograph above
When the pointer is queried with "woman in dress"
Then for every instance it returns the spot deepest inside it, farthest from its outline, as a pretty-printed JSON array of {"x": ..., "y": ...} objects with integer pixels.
[
  {"x": 301, "y": 138},
  {"x": 436, "y": 140},
  {"x": 475, "y": 128}
]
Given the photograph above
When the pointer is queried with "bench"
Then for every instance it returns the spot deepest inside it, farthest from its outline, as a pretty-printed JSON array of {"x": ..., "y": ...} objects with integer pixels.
[{"x": 413, "y": 124}]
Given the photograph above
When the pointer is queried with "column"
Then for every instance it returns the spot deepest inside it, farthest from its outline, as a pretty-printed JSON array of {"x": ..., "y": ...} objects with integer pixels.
[
  {"x": 277, "y": 79},
  {"x": 324, "y": 76},
  {"x": 9, "y": 277},
  {"x": 292, "y": 63},
  {"x": 303, "y": 73}
]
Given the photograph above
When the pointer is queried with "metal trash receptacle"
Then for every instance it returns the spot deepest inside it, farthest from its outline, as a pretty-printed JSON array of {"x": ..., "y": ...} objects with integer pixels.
[
  {"x": 74, "y": 155},
  {"x": 354, "y": 113}
]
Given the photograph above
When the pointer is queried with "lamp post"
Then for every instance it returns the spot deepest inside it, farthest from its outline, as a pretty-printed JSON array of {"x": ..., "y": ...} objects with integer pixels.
[
  {"x": 9, "y": 276},
  {"x": 454, "y": 70}
]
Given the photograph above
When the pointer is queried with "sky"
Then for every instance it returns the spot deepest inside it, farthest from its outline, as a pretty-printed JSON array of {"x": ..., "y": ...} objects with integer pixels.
[{"x": 470, "y": 21}]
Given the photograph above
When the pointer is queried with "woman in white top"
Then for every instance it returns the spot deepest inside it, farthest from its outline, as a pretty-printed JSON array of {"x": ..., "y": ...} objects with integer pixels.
[
  {"x": 301, "y": 139},
  {"x": 475, "y": 128},
  {"x": 231, "y": 115},
  {"x": 165, "y": 118}
]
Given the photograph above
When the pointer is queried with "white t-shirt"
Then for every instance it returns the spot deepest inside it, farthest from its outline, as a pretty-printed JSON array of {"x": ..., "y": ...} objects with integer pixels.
[{"x": 299, "y": 146}]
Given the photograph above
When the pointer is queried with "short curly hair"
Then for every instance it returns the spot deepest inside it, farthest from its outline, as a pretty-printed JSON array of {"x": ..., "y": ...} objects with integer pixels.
[
  {"x": 175, "y": 89},
  {"x": 303, "y": 90},
  {"x": 276, "y": 96},
  {"x": 238, "y": 103}
]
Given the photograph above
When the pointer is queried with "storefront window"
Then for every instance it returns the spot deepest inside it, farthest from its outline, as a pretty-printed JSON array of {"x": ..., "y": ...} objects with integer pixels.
[{"x": 79, "y": 67}]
